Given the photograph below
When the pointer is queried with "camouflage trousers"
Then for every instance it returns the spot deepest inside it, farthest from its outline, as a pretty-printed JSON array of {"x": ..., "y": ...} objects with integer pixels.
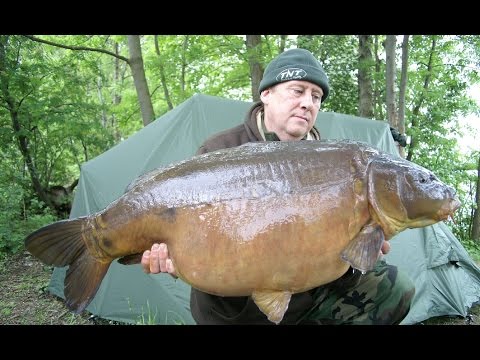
[{"x": 382, "y": 296}]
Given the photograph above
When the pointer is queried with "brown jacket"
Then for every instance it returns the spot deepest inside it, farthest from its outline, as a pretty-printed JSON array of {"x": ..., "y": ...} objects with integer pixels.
[{"x": 210, "y": 309}]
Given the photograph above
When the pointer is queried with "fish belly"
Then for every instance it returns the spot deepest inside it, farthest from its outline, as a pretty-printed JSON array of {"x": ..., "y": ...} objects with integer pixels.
[{"x": 281, "y": 243}]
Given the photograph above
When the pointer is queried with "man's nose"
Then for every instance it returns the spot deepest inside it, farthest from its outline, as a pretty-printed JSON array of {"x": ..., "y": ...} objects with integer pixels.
[{"x": 307, "y": 101}]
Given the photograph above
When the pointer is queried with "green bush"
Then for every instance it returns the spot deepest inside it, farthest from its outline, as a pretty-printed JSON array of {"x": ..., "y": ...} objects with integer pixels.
[
  {"x": 17, "y": 220},
  {"x": 473, "y": 249}
]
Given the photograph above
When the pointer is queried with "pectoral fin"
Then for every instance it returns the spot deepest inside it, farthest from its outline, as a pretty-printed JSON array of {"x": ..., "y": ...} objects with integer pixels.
[
  {"x": 362, "y": 252},
  {"x": 272, "y": 303}
]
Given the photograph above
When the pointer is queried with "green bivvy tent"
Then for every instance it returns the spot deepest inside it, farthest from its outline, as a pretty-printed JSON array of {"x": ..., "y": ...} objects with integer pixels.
[{"x": 447, "y": 280}]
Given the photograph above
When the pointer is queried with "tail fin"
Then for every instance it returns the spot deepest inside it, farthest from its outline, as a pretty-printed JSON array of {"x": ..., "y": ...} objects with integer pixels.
[{"x": 62, "y": 244}]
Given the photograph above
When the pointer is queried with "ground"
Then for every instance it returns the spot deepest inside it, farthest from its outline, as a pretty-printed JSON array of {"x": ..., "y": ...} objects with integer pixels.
[{"x": 24, "y": 299}]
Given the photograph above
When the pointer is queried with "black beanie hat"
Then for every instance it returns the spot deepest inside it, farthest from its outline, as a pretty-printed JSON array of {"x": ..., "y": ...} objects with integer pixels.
[{"x": 295, "y": 64}]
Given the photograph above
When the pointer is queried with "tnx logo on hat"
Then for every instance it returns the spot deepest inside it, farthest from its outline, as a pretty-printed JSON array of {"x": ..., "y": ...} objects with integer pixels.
[{"x": 291, "y": 74}]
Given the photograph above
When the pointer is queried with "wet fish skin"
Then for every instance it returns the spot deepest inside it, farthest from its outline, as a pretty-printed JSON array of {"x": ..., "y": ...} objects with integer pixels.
[{"x": 263, "y": 219}]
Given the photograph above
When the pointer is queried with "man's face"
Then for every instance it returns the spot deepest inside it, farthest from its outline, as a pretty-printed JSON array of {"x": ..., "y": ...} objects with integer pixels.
[{"x": 291, "y": 108}]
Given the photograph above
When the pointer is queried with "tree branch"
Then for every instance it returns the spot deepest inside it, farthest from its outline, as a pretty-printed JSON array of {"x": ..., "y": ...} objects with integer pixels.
[{"x": 34, "y": 38}]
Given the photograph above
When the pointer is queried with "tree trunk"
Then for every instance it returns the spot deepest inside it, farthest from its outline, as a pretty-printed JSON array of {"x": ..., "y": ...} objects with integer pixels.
[
  {"x": 254, "y": 46},
  {"x": 186, "y": 39},
  {"x": 163, "y": 79},
  {"x": 116, "y": 94},
  {"x": 421, "y": 99},
  {"x": 403, "y": 86},
  {"x": 390, "y": 45},
  {"x": 102, "y": 101},
  {"x": 139, "y": 79},
  {"x": 365, "y": 86},
  {"x": 377, "y": 97},
  {"x": 402, "y": 91},
  {"x": 283, "y": 41},
  {"x": 476, "y": 213}
]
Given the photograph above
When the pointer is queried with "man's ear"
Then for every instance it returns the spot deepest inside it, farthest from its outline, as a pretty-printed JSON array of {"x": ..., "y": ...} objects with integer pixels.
[{"x": 265, "y": 96}]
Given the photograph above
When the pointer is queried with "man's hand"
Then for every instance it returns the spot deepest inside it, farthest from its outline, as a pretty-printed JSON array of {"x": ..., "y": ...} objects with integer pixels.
[
  {"x": 156, "y": 260},
  {"x": 385, "y": 248}
]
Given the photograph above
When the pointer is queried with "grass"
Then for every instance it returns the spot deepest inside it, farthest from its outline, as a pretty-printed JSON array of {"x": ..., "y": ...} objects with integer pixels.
[
  {"x": 24, "y": 299},
  {"x": 473, "y": 318}
]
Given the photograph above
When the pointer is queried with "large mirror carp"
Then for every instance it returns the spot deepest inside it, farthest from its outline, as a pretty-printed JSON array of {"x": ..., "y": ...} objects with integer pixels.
[{"x": 266, "y": 220}]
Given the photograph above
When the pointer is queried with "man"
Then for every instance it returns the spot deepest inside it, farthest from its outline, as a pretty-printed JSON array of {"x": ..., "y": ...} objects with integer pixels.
[{"x": 293, "y": 87}]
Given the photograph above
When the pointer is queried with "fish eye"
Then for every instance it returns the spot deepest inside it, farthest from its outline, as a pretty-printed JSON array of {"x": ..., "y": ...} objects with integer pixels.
[{"x": 427, "y": 178}]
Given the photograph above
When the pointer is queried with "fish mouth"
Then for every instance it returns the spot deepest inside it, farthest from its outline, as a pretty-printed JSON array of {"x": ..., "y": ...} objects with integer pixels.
[{"x": 447, "y": 211}]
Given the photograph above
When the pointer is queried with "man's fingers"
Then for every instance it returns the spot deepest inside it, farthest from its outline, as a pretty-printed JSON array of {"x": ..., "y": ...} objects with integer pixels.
[
  {"x": 170, "y": 267},
  {"x": 162, "y": 256},
  {"x": 146, "y": 261},
  {"x": 154, "y": 259},
  {"x": 168, "y": 263},
  {"x": 385, "y": 247},
  {"x": 163, "y": 251}
]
